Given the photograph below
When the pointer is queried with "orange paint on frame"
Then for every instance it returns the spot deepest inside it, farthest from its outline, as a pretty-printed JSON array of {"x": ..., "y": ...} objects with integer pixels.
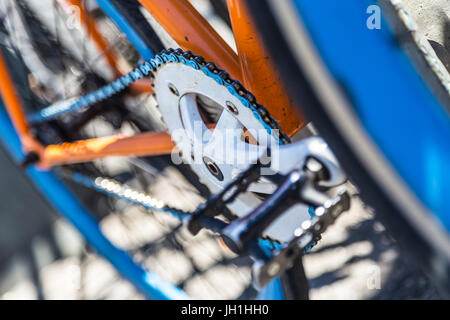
[
  {"x": 192, "y": 32},
  {"x": 144, "y": 144},
  {"x": 259, "y": 73},
  {"x": 13, "y": 106}
]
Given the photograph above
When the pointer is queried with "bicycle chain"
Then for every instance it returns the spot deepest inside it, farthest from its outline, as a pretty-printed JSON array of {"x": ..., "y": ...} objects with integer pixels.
[
  {"x": 148, "y": 68},
  {"x": 113, "y": 188},
  {"x": 117, "y": 190}
]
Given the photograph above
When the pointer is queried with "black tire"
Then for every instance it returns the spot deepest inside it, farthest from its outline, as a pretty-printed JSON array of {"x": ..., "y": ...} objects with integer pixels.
[{"x": 419, "y": 248}]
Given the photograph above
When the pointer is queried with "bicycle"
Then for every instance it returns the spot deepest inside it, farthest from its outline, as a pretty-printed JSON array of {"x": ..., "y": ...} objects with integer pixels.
[{"x": 252, "y": 213}]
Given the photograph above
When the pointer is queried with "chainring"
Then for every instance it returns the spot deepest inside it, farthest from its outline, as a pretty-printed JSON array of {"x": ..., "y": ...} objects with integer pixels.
[{"x": 219, "y": 136}]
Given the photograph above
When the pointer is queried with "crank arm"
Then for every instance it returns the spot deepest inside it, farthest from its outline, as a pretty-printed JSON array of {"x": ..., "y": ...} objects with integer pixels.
[{"x": 285, "y": 158}]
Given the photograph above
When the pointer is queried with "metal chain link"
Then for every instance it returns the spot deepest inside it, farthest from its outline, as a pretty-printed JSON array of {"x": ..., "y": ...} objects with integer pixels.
[
  {"x": 113, "y": 188},
  {"x": 149, "y": 68}
]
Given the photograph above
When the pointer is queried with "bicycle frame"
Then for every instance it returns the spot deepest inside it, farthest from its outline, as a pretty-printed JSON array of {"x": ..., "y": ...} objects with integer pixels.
[
  {"x": 18, "y": 137},
  {"x": 192, "y": 32}
]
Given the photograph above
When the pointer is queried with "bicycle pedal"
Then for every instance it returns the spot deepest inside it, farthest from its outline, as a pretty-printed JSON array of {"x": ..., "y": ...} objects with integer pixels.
[{"x": 300, "y": 186}]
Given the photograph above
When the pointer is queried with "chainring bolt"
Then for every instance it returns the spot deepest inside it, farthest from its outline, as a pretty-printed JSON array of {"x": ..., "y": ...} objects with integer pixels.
[
  {"x": 213, "y": 168},
  {"x": 173, "y": 89},
  {"x": 232, "y": 108}
]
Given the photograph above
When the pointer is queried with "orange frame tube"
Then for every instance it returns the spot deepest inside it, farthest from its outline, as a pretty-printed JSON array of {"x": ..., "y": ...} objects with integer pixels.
[
  {"x": 258, "y": 72},
  {"x": 145, "y": 144},
  {"x": 252, "y": 65},
  {"x": 15, "y": 111},
  {"x": 192, "y": 32}
]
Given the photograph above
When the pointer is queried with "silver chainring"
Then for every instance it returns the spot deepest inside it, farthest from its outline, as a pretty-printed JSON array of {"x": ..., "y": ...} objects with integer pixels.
[{"x": 211, "y": 128}]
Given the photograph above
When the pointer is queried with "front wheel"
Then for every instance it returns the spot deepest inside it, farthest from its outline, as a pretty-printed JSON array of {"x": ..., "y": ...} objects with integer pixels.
[{"x": 380, "y": 96}]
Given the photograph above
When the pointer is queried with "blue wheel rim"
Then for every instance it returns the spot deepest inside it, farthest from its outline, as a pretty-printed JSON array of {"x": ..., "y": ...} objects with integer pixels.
[{"x": 393, "y": 103}]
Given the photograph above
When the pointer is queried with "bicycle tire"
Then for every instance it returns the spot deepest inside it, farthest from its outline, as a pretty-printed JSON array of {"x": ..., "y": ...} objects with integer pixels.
[{"x": 429, "y": 250}]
